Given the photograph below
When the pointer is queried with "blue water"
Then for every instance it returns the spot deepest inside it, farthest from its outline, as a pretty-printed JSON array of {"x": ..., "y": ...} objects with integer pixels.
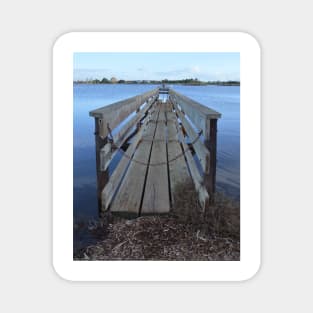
[{"x": 225, "y": 99}]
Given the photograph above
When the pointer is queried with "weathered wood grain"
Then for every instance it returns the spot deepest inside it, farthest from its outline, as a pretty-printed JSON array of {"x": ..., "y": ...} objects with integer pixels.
[
  {"x": 141, "y": 188},
  {"x": 178, "y": 169},
  {"x": 211, "y": 144},
  {"x": 102, "y": 176},
  {"x": 196, "y": 177},
  {"x": 156, "y": 198},
  {"x": 115, "y": 179},
  {"x": 128, "y": 198},
  {"x": 156, "y": 195},
  {"x": 106, "y": 153},
  {"x": 198, "y": 113},
  {"x": 115, "y": 113},
  {"x": 120, "y": 135},
  {"x": 202, "y": 152}
]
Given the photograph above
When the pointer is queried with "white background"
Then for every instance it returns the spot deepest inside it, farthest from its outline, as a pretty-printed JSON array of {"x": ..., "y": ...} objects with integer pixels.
[
  {"x": 28, "y": 30},
  {"x": 249, "y": 51}
]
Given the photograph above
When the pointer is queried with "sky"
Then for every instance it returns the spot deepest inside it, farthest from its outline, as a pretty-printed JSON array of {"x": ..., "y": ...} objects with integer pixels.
[{"x": 157, "y": 66}]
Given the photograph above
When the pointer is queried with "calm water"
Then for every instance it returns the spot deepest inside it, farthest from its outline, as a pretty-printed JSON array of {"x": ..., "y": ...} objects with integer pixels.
[{"x": 226, "y": 100}]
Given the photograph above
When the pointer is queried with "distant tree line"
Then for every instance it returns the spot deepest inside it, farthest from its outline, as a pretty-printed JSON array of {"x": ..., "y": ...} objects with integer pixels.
[
  {"x": 224, "y": 83},
  {"x": 186, "y": 81}
]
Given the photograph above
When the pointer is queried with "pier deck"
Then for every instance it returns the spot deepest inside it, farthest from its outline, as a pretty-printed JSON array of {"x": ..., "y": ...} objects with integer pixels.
[{"x": 163, "y": 144}]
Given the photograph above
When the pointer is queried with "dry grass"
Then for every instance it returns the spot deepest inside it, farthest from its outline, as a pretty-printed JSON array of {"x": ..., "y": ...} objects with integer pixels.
[
  {"x": 186, "y": 234},
  {"x": 221, "y": 218}
]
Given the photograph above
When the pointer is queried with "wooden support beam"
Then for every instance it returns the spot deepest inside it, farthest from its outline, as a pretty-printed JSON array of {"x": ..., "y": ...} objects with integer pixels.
[
  {"x": 102, "y": 176},
  {"x": 210, "y": 142}
]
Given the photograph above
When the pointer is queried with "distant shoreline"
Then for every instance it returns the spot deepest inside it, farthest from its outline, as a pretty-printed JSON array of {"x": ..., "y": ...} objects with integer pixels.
[{"x": 220, "y": 83}]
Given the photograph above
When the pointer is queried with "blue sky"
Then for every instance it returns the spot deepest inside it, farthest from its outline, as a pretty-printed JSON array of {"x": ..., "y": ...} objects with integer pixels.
[{"x": 138, "y": 66}]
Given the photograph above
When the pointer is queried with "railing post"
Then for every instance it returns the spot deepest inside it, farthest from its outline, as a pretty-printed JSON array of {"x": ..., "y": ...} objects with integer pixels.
[
  {"x": 102, "y": 176},
  {"x": 210, "y": 141}
]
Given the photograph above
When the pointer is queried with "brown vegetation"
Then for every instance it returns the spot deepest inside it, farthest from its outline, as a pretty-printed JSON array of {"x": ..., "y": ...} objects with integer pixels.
[{"x": 186, "y": 234}]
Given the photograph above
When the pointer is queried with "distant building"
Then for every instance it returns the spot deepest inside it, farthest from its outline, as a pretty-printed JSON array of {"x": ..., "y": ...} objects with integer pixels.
[{"x": 113, "y": 80}]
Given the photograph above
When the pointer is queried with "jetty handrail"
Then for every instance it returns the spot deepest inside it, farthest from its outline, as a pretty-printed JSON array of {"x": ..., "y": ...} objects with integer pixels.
[
  {"x": 113, "y": 114},
  {"x": 204, "y": 119},
  {"x": 188, "y": 112},
  {"x": 197, "y": 112}
]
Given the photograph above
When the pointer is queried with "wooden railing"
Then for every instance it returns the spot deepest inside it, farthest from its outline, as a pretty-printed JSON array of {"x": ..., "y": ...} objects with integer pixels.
[
  {"x": 204, "y": 119},
  {"x": 115, "y": 113},
  {"x": 108, "y": 129},
  {"x": 106, "y": 120}
]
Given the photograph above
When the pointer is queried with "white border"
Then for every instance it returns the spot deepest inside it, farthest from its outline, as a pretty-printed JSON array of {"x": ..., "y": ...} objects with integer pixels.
[{"x": 250, "y": 115}]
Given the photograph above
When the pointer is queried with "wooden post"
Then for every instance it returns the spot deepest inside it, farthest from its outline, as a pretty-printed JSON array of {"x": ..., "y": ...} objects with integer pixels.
[
  {"x": 137, "y": 112},
  {"x": 102, "y": 176},
  {"x": 210, "y": 143}
]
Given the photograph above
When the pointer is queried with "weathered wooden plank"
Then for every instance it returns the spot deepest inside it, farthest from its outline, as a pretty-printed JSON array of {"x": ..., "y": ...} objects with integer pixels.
[
  {"x": 102, "y": 176},
  {"x": 197, "y": 112},
  {"x": 115, "y": 113},
  {"x": 200, "y": 108},
  {"x": 202, "y": 152},
  {"x": 115, "y": 179},
  {"x": 196, "y": 177},
  {"x": 156, "y": 195},
  {"x": 120, "y": 135},
  {"x": 211, "y": 143},
  {"x": 106, "y": 153},
  {"x": 118, "y": 105},
  {"x": 129, "y": 194},
  {"x": 178, "y": 169}
]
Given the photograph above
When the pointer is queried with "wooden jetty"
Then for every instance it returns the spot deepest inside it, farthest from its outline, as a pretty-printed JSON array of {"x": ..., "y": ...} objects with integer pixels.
[{"x": 153, "y": 145}]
